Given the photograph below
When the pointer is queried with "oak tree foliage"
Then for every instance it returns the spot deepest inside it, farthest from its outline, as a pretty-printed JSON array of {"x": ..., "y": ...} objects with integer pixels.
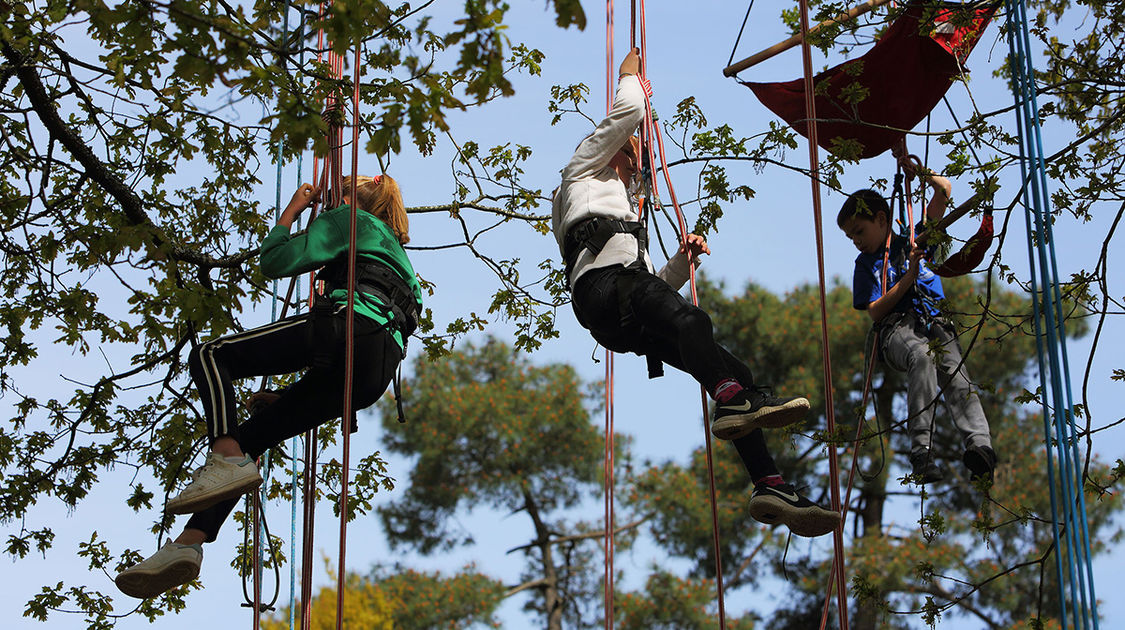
[{"x": 134, "y": 137}]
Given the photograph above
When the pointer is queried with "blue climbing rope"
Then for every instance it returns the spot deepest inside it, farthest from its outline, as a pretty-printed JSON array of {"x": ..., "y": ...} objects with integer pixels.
[
  {"x": 1071, "y": 534},
  {"x": 295, "y": 489}
]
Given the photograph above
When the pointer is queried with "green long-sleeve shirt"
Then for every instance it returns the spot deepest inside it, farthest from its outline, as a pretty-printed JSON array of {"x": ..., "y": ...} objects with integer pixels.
[{"x": 326, "y": 239}]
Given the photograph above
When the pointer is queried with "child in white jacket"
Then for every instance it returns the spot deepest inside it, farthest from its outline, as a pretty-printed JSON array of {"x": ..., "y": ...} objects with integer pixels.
[{"x": 628, "y": 308}]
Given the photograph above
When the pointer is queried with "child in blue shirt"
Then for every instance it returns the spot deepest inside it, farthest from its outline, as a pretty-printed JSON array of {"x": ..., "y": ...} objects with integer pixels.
[{"x": 908, "y": 319}]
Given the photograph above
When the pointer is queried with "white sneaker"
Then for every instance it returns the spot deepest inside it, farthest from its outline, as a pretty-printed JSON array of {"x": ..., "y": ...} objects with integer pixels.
[
  {"x": 173, "y": 565},
  {"x": 218, "y": 479}
]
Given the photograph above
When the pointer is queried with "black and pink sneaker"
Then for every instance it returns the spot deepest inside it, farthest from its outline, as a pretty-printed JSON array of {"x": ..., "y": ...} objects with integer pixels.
[
  {"x": 752, "y": 408},
  {"x": 781, "y": 504}
]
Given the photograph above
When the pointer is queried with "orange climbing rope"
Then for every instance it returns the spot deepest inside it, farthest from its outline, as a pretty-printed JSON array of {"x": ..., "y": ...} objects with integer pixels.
[
  {"x": 609, "y": 546},
  {"x": 653, "y": 133},
  {"x": 347, "y": 419},
  {"x": 829, "y": 404},
  {"x": 653, "y": 130},
  {"x": 328, "y": 173}
]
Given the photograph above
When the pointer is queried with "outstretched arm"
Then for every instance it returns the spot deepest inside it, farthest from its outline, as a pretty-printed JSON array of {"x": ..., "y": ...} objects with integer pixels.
[{"x": 943, "y": 189}]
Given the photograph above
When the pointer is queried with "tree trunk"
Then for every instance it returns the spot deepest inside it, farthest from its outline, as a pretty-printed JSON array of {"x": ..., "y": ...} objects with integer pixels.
[{"x": 552, "y": 600}]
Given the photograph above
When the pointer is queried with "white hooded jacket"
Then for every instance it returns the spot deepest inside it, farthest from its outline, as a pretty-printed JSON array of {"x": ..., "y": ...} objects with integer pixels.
[{"x": 591, "y": 188}]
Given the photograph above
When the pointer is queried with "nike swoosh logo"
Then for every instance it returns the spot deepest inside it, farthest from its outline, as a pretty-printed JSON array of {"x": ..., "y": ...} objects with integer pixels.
[
  {"x": 743, "y": 407},
  {"x": 792, "y": 497}
]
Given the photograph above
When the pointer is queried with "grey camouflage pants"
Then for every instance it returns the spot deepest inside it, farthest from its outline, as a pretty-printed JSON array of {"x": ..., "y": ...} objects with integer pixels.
[{"x": 906, "y": 347}]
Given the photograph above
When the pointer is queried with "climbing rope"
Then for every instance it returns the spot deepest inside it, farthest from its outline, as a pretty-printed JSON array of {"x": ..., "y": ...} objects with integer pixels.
[
  {"x": 347, "y": 420},
  {"x": 610, "y": 520},
  {"x": 327, "y": 172},
  {"x": 255, "y": 506},
  {"x": 1071, "y": 536},
  {"x": 829, "y": 411},
  {"x": 652, "y": 131},
  {"x": 609, "y": 546}
]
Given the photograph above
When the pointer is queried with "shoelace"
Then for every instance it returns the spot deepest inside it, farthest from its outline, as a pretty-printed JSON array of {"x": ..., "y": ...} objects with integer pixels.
[{"x": 195, "y": 474}]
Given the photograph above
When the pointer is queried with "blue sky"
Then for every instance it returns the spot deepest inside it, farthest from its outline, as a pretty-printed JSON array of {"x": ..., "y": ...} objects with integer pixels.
[{"x": 767, "y": 240}]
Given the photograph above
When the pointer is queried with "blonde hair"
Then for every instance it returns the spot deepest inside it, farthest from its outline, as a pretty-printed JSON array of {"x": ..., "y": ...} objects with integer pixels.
[{"x": 382, "y": 198}]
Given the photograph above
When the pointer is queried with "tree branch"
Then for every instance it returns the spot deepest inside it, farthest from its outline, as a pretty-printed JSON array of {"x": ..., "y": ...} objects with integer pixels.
[{"x": 131, "y": 204}]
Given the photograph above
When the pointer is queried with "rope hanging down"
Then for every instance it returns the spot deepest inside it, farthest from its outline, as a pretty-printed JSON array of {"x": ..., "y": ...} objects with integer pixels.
[
  {"x": 649, "y": 131},
  {"x": 656, "y": 141},
  {"x": 262, "y": 529},
  {"x": 320, "y": 173},
  {"x": 829, "y": 404},
  {"x": 1077, "y": 599},
  {"x": 328, "y": 173},
  {"x": 347, "y": 420},
  {"x": 609, "y": 547}
]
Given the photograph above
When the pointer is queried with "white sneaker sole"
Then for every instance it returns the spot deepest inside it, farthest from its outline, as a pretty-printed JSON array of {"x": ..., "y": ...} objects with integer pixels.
[
  {"x": 203, "y": 500},
  {"x": 808, "y": 522},
  {"x": 735, "y": 426},
  {"x": 146, "y": 583}
]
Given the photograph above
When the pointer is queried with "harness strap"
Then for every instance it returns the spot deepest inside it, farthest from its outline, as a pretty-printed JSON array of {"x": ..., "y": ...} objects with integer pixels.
[
  {"x": 593, "y": 234},
  {"x": 398, "y": 395},
  {"x": 380, "y": 281}
]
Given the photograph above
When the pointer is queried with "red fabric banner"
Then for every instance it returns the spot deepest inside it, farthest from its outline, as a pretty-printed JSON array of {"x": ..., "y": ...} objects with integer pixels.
[{"x": 901, "y": 78}]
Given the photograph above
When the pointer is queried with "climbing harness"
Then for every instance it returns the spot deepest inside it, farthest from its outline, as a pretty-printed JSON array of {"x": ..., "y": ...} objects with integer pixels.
[
  {"x": 380, "y": 281},
  {"x": 592, "y": 235}
]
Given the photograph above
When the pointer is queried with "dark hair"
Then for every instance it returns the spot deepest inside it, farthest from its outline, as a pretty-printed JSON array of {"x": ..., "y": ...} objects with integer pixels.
[{"x": 866, "y": 203}]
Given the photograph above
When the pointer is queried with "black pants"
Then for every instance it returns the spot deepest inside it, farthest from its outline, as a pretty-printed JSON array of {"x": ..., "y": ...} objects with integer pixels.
[
  {"x": 653, "y": 319},
  {"x": 283, "y": 347}
]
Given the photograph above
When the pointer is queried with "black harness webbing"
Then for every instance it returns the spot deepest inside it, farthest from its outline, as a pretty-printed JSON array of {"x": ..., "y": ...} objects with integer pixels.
[
  {"x": 380, "y": 281},
  {"x": 593, "y": 234}
]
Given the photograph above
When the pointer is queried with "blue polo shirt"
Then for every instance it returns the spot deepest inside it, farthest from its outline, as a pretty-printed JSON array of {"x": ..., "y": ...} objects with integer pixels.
[{"x": 867, "y": 281}]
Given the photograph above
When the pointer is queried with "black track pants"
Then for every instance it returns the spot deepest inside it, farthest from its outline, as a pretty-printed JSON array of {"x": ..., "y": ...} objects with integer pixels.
[
  {"x": 665, "y": 325},
  {"x": 284, "y": 347}
]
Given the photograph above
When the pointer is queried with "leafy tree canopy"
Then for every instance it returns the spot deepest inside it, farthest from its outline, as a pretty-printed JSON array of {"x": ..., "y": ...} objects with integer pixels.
[{"x": 406, "y": 599}]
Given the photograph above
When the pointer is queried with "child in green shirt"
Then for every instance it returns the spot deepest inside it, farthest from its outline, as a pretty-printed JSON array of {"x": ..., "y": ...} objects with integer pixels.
[{"x": 388, "y": 299}]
